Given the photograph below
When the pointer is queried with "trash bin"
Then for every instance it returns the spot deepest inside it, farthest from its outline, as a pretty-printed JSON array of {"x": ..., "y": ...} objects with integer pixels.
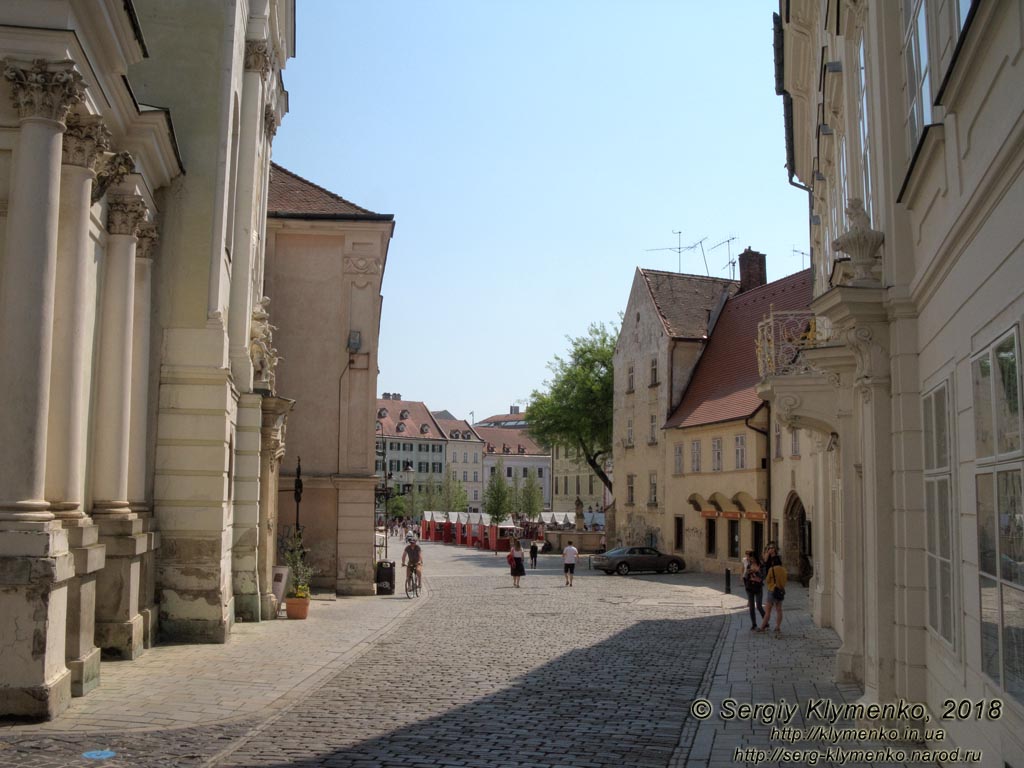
[{"x": 385, "y": 577}]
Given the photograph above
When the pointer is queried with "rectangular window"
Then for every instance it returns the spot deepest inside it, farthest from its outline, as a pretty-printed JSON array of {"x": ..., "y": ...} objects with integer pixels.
[
  {"x": 942, "y": 595},
  {"x": 794, "y": 442},
  {"x": 476, "y": 477},
  {"x": 757, "y": 533},
  {"x": 963, "y": 7},
  {"x": 654, "y": 371},
  {"x": 677, "y": 459},
  {"x": 508, "y": 471},
  {"x": 915, "y": 57},
  {"x": 710, "y": 532},
  {"x": 540, "y": 473},
  {"x": 629, "y": 378},
  {"x": 716, "y": 454},
  {"x": 1000, "y": 515},
  {"x": 652, "y": 488},
  {"x": 629, "y": 431},
  {"x": 465, "y": 476},
  {"x": 741, "y": 451},
  {"x": 476, "y": 456},
  {"x": 423, "y": 466},
  {"x": 734, "y": 538},
  {"x": 465, "y": 457},
  {"x": 653, "y": 436},
  {"x": 524, "y": 472},
  {"x": 862, "y": 128},
  {"x": 556, "y": 486},
  {"x": 695, "y": 456},
  {"x": 493, "y": 470},
  {"x": 378, "y": 465},
  {"x": 556, "y": 451},
  {"x": 629, "y": 488},
  {"x": 476, "y": 495},
  {"x": 577, "y": 485},
  {"x": 678, "y": 539},
  {"x": 590, "y": 485}
]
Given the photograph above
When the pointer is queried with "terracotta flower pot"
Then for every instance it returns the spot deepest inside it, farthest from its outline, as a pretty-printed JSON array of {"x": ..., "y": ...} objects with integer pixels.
[{"x": 297, "y": 607}]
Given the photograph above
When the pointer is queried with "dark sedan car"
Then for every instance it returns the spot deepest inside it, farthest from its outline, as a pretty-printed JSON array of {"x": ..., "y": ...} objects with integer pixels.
[{"x": 626, "y": 559}]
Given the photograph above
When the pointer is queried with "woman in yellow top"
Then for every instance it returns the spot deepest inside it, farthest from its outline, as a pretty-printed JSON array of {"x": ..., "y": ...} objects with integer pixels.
[{"x": 775, "y": 583}]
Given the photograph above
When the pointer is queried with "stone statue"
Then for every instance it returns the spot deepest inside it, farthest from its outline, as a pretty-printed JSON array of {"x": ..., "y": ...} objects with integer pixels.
[
  {"x": 261, "y": 350},
  {"x": 580, "y": 522}
]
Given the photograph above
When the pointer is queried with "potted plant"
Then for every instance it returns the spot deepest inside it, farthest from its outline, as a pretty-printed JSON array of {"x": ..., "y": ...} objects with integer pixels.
[{"x": 297, "y": 600}]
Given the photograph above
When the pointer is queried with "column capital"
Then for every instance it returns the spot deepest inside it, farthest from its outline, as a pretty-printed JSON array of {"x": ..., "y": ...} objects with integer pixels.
[
  {"x": 111, "y": 172},
  {"x": 125, "y": 214},
  {"x": 85, "y": 139},
  {"x": 41, "y": 88},
  {"x": 148, "y": 236},
  {"x": 259, "y": 57}
]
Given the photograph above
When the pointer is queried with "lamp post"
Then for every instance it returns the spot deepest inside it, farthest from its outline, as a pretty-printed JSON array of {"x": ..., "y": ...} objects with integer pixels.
[{"x": 298, "y": 492}]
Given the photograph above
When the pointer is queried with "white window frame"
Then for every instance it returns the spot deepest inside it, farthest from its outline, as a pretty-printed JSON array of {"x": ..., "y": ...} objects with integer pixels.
[
  {"x": 943, "y": 609},
  {"x": 653, "y": 436},
  {"x": 654, "y": 371},
  {"x": 678, "y": 458},
  {"x": 716, "y": 454},
  {"x": 630, "y": 489},
  {"x": 741, "y": 451},
  {"x": 863, "y": 129},
  {"x": 695, "y": 456},
  {"x": 652, "y": 488},
  {"x": 794, "y": 441},
  {"x": 916, "y": 68},
  {"x": 629, "y": 430}
]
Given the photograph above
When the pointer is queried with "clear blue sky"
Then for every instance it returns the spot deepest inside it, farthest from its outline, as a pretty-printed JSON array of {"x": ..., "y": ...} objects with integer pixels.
[{"x": 531, "y": 152}]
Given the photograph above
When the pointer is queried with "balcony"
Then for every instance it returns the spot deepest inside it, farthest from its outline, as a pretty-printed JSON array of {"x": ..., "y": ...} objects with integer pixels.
[{"x": 782, "y": 336}]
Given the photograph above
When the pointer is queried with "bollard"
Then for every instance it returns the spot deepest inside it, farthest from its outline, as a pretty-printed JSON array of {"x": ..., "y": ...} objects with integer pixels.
[{"x": 728, "y": 581}]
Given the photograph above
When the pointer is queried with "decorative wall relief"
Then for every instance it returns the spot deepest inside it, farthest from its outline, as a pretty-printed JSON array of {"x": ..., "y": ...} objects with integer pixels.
[{"x": 261, "y": 349}]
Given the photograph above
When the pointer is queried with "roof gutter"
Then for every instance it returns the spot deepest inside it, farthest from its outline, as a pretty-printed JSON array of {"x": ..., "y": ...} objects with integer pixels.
[
  {"x": 768, "y": 459},
  {"x": 333, "y": 216}
]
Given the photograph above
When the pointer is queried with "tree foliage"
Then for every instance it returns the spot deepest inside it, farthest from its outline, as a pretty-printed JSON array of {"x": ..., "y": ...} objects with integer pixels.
[
  {"x": 452, "y": 496},
  {"x": 496, "y": 495},
  {"x": 576, "y": 411},
  {"x": 531, "y": 497}
]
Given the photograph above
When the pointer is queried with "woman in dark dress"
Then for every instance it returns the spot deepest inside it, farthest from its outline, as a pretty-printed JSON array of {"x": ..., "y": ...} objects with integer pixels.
[{"x": 518, "y": 562}]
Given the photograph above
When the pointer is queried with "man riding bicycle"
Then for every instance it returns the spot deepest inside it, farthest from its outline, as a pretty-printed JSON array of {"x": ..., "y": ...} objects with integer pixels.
[{"x": 414, "y": 555}]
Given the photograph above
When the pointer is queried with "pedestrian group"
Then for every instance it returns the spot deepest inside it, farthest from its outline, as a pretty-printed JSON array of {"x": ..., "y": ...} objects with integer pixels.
[{"x": 761, "y": 574}]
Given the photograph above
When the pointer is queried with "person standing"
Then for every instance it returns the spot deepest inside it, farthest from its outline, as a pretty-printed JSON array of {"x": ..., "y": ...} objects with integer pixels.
[
  {"x": 775, "y": 578},
  {"x": 569, "y": 555},
  {"x": 753, "y": 582},
  {"x": 533, "y": 554},
  {"x": 518, "y": 562}
]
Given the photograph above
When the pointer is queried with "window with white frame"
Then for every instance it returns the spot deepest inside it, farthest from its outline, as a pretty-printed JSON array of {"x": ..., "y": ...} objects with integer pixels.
[
  {"x": 476, "y": 476},
  {"x": 916, "y": 67},
  {"x": 741, "y": 451},
  {"x": 465, "y": 457},
  {"x": 778, "y": 440},
  {"x": 963, "y": 8},
  {"x": 653, "y": 435},
  {"x": 695, "y": 456},
  {"x": 942, "y": 531},
  {"x": 862, "y": 128},
  {"x": 465, "y": 476},
  {"x": 629, "y": 488},
  {"x": 716, "y": 454},
  {"x": 630, "y": 378},
  {"x": 996, "y": 389},
  {"x": 652, "y": 488},
  {"x": 654, "y": 371},
  {"x": 629, "y": 430},
  {"x": 794, "y": 442},
  {"x": 678, "y": 456},
  {"x": 540, "y": 473}
]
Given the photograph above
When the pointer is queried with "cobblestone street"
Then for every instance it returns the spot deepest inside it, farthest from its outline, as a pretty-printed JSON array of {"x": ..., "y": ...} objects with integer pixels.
[{"x": 475, "y": 673}]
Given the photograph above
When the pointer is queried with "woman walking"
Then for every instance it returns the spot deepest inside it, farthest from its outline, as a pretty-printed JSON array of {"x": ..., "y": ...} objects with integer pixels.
[
  {"x": 518, "y": 562},
  {"x": 753, "y": 581}
]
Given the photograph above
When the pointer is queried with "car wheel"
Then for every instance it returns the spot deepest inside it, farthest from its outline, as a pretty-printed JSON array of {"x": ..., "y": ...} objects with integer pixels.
[
  {"x": 622, "y": 569},
  {"x": 675, "y": 566}
]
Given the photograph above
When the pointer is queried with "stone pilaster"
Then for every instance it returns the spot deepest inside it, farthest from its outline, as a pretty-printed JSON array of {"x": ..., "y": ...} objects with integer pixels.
[
  {"x": 119, "y": 627},
  {"x": 35, "y": 563},
  {"x": 246, "y": 499},
  {"x": 272, "y": 433}
]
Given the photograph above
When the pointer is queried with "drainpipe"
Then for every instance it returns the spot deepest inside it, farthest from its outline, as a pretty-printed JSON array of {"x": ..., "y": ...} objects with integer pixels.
[{"x": 768, "y": 460}]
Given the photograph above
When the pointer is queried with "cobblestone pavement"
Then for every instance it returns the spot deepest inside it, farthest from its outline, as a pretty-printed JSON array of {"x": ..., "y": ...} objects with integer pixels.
[{"x": 475, "y": 673}]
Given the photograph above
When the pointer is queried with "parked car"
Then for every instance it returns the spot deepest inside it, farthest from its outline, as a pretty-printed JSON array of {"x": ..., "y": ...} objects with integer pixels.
[{"x": 626, "y": 559}]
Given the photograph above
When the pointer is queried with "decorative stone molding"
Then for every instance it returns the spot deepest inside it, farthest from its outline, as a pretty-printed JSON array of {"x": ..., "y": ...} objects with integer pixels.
[
  {"x": 259, "y": 57},
  {"x": 148, "y": 236},
  {"x": 125, "y": 214},
  {"x": 261, "y": 349},
  {"x": 861, "y": 242},
  {"x": 270, "y": 121},
  {"x": 85, "y": 139},
  {"x": 42, "y": 88},
  {"x": 361, "y": 265},
  {"x": 112, "y": 172}
]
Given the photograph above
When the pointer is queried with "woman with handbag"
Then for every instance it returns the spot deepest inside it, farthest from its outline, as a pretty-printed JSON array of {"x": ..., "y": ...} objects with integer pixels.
[
  {"x": 517, "y": 562},
  {"x": 775, "y": 581},
  {"x": 753, "y": 582}
]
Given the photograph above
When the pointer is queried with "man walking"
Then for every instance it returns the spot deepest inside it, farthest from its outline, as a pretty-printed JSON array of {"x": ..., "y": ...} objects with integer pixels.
[
  {"x": 569, "y": 555},
  {"x": 533, "y": 555}
]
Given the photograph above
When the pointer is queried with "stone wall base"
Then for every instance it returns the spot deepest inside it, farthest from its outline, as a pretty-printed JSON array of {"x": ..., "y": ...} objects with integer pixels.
[
  {"x": 37, "y": 701},
  {"x": 120, "y": 639},
  {"x": 149, "y": 626},
  {"x": 85, "y": 672},
  {"x": 248, "y": 607},
  {"x": 195, "y": 630}
]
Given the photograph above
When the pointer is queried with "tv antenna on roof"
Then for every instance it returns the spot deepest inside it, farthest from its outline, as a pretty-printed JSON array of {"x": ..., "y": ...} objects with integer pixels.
[
  {"x": 731, "y": 263},
  {"x": 678, "y": 249},
  {"x": 802, "y": 254},
  {"x": 702, "y": 254}
]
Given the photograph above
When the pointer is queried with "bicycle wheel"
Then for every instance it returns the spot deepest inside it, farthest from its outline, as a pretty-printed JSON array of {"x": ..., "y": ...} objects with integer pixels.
[
  {"x": 416, "y": 584},
  {"x": 410, "y": 585}
]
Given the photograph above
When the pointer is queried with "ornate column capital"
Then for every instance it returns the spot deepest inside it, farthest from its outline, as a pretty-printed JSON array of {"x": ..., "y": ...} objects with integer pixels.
[
  {"x": 112, "y": 172},
  {"x": 125, "y": 214},
  {"x": 259, "y": 57},
  {"x": 270, "y": 121},
  {"x": 861, "y": 242},
  {"x": 148, "y": 237},
  {"x": 85, "y": 139},
  {"x": 42, "y": 88}
]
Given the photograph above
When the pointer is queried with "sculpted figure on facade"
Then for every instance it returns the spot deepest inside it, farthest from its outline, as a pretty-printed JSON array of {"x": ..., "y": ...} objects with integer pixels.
[
  {"x": 861, "y": 242},
  {"x": 261, "y": 348},
  {"x": 42, "y": 88},
  {"x": 270, "y": 121}
]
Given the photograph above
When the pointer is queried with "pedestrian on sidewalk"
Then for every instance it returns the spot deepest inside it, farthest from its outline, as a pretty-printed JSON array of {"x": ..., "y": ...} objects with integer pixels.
[
  {"x": 533, "y": 554},
  {"x": 775, "y": 578},
  {"x": 517, "y": 562},
  {"x": 753, "y": 582},
  {"x": 569, "y": 555}
]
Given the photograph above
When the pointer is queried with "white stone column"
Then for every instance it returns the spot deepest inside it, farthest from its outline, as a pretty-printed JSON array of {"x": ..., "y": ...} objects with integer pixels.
[
  {"x": 35, "y": 563},
  {"x": 275, "y": 412},
  {"x": 138, "y": 422},
  {"x": 84, "y": 140},
  {"x": 119, "y": 630},
  {"x": 246, "y": 500}
]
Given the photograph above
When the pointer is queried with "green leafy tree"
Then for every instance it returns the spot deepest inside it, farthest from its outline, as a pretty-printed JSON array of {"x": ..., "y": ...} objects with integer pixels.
[
  {"x": 426, "y": 499},
  {"x": 576, "y": 410},
  {"x": 496, "y": 495},
  {"x": 453, "y": 496},
  {"x": 397, "y": 506},
  {"x": 515, "y": 497},
  {"x": 531, "y": 497}
]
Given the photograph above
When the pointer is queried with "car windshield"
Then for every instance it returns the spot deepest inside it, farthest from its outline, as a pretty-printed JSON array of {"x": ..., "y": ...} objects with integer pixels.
[{"x": 619, "y": 551}]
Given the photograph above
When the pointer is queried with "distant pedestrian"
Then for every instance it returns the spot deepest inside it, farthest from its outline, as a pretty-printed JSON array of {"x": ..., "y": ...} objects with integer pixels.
[
  {"x": 775, "y": 578},
  {"x": 753, "y": 582},
  {"x": 569, "y": 555},
  {"x": 533, "y": 554},
  {"x": 517, "y": 562}
]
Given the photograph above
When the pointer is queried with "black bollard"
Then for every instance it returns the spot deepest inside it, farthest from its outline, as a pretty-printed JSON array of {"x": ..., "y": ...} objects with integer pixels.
[{"x": 728, "y": 581}]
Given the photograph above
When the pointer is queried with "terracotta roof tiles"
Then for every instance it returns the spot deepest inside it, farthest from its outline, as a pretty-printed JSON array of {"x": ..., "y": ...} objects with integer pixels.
[
  {"x": 512, "y": 438},
  {"x": 684, "y": 301},
  {"x": 290, "y": 195},
  {"x": 417, "y": 416}
]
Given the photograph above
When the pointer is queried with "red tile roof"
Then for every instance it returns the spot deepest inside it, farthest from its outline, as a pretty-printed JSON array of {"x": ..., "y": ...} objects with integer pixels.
[
  {"x": 501, "y": 419},
  {"x": 684, "y": 301},
  {"x": 417, "y": 417},
  {"x": 291, "y": 196},
  {"x": 723, "y": 384},
  {"x": 512, "y": 438},
  {"x": 460, "y": 425}
]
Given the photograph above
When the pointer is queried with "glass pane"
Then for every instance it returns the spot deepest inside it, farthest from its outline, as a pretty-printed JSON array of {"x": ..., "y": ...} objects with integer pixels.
[
  {"x": 933, "y": 593},
  {"x": 981, "y": 370},
  {"x": 1013, "y": 642},
  {"x": 941, "y": 429},
  {"x": 929, "y": 433},
  {"x": 990, "y": 628},
  {"x": 931, "y": 513},
  {"x": 942, "y": 513},
  {"x": 1007, "y": 396},
  {"x": 983, "y": 494},
  {"x": 1011, "y": 527},
  {"x": 946, "y": 600}
]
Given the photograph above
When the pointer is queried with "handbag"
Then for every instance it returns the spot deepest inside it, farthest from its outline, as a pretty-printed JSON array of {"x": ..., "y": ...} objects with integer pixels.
[{"x": 511, "y": 559}]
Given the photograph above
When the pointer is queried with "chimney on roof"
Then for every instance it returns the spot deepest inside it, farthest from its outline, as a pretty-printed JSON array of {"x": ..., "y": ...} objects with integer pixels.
[
  {"x": 513, "y": 409},
  {"x": 752, "y": 270},
  {"x": 386, "y": 396},
  {"x": 396, "y": 396}
]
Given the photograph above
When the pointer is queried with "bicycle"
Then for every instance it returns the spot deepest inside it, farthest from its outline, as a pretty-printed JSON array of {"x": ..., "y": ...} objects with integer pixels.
[{"x": 412, "y": 581}]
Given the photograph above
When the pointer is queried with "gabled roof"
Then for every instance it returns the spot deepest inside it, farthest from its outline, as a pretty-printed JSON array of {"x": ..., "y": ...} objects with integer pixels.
[
  {"x": 723, "y": 383},
  {"x": 505, "y": 420},
  {"x": 417, "y": 417},
  {"x": 448, "y": 426},
  {"x": 684, "y": 301},
  {"x": 290, "y": 196},
  {"x": 513, "y": 439}
]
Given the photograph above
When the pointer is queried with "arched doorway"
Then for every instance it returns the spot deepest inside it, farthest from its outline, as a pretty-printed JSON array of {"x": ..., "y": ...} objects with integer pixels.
[{"x": 797, "y": 552}]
